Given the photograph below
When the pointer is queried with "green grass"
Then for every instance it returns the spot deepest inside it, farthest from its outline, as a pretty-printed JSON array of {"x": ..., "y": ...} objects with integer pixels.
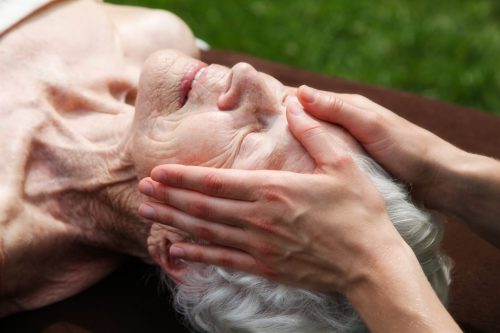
[{"x": 447, "y": 50}]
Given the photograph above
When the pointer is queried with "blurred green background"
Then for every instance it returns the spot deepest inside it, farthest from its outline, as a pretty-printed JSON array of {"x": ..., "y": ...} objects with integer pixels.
[{"x": 448, "y": 50}]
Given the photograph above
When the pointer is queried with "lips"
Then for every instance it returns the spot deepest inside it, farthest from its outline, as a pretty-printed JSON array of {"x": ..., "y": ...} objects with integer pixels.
[{"x": 187, "y": 80}]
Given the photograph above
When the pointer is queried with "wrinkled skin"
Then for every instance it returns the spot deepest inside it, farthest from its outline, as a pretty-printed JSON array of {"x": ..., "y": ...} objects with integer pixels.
[
  {"x": 232, "y": 118},
  {"x": 67, "y": 88},
  {"x": 76, "y": 140}
]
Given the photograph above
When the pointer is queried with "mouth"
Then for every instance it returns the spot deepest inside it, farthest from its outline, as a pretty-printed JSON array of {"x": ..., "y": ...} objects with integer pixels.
[{"x": 193, "y": 73}]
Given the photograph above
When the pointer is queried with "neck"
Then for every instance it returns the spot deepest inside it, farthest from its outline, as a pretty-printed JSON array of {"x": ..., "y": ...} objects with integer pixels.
[{"x": 89, "y": 185}]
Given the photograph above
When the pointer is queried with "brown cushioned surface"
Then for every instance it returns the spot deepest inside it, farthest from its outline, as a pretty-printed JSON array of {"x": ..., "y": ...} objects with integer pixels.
[{"x": 130, "y": 300}]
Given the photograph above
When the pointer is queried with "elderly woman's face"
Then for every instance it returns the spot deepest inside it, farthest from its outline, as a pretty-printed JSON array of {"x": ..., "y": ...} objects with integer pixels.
[{"x": 190, "y": 113}]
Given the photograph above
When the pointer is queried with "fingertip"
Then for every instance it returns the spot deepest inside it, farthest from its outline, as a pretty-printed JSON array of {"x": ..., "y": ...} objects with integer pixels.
[
  {"x": 307, "y": 95},
  {"x": 147, "y": 211},
  {"x": 145, "y": 180},
  {"x": 312, "y": 135},
  {"x": 163, "y": 173},
  {"x": 159, "y": 174},
  {"x": 294, "y": 109},
  {"x": 146, "y": 187},
  {"x": 177, "y": 251},
  {"x": 296, "y": 117}
]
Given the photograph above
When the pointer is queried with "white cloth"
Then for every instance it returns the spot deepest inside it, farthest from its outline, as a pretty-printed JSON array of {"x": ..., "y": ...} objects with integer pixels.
[{"x": 13, "y": 11}]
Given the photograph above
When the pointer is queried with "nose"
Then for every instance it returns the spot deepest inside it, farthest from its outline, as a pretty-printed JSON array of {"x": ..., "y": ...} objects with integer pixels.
[{"x": 248, "y": 88}]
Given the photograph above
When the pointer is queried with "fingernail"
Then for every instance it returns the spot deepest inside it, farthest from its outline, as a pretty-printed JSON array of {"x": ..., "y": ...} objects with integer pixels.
[
  {"x": 147, "y": 211},
  {"x": 146, "y": 188},
  {"x": 177, "y": 251},
  {"x": 295, "y": 109},
  {"x": 308, "y": 94},
  {"x": 159, "y": 175}
]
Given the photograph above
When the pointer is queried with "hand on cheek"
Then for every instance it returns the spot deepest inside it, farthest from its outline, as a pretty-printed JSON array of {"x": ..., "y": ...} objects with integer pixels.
[{"x": 316, "y": 231}]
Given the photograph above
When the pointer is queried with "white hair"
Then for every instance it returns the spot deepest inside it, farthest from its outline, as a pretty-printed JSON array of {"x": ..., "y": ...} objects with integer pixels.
[{"x": 219, "y": 300}]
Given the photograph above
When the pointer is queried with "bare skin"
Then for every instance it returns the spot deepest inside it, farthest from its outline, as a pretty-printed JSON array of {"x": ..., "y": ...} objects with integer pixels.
[
  {"x": 68, "y": 86},
  {"x": 85, "y": 129},
  {"x": 334, "y": 238},
  {"x": 442, "y": 176},
  {"x": 76, "y": 147}
]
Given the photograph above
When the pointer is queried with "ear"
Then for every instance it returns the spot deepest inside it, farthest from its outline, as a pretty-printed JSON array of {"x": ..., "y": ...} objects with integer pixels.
[{"x": 160, "y": 239}]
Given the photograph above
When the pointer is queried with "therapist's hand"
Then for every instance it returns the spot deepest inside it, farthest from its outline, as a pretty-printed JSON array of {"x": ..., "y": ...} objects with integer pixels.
[
  {"x": 445, "y": 178},
  {"x": 324, "y": 231},
  {"x": 411, "y": 153},
  {"x": 327, "y": 231},
  {"x": 406, "y": 150}
]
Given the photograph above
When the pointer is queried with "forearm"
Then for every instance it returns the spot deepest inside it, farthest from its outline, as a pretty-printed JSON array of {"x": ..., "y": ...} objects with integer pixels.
[
  {"x": 469, "y": 190},
  {"x": 395, "y": 296}
]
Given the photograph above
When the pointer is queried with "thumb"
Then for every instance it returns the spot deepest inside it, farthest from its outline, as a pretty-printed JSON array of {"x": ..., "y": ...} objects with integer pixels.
[
  {"x": 334, "y": 109},
  {"x": 313, "y": 136}
]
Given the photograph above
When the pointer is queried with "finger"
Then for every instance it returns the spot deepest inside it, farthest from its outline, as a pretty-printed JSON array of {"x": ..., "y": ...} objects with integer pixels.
[
  {"x": 313, "y": 136},
  {"x": 227, "y": 211},
  {"x": 225, "y": 183},
  {"x": 334, "y": 108},
  {"x": 221, "y": 256},
  {"x": 197, "y": 228},
  {"x": 354, "y": 99}
]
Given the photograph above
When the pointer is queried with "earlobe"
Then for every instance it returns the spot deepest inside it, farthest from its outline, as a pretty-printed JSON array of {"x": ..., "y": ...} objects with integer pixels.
[
  {"x": 159, "y": 241},
  {"x": 175, "y": 268}
]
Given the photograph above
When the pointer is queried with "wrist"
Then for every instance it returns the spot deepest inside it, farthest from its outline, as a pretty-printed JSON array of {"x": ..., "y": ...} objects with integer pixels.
[
  {"x": 461, "y": 176},
  {"x": 469, "y": 191},
  {"x": 441, "y": 174},
  {"x": 395, "y": 296}
]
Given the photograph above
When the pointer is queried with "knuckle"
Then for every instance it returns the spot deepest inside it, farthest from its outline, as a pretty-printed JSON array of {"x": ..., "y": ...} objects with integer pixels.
[
  {"x": 213, "y": 183},
  {"x": 339, "y": 161},
  {"x": 267, "y": 272},
  {"x": 344, "y": 160},
  {"x": 167, "y": 218},
  {"x": 376, "y": 126},
  {"x": 195, "y": 254},
  {"x": 360, "y": 99},
  {"x": 227, "y": 262},
  {"x": 263, "y": 223},
  {"x": 163, "y": 193},
  {"x": 267, "y": 250},
  {"x": 312, "y": 130},
  {"x": 202, "y": 232},
  {"x": 333, "y": 103},
  {"x": 271, "y": 193},
  {"x": 374, "y": 119},
  {"x": 175, "y": 177},
  {"x": 198, "y": 208}
]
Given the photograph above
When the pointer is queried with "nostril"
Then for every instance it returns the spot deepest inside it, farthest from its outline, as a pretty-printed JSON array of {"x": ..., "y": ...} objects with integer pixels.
[
  {"x": 243, "y": 80},
  {"x": 226, "y": 100}
]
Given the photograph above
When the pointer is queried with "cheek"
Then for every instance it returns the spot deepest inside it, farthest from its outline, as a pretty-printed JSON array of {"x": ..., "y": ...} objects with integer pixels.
[
  {"x": 207, "y": 139},
  {"x": 255, "y": 152},
  {"x": 274, "y": 149}
]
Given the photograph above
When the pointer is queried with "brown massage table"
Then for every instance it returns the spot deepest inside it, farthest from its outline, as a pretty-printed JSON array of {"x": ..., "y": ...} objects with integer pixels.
[{"x": 130, "y": 300}]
